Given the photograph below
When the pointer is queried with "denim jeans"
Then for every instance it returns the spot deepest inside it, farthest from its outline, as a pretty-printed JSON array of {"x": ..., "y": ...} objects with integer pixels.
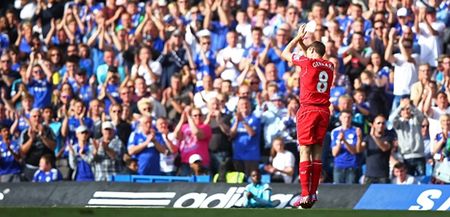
[
  {"x": 344, "y": 175},
  {"x": 219, "y": 160}
]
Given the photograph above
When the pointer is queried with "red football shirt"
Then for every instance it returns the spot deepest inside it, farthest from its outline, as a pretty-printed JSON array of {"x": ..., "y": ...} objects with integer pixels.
[{"x": 315, "y": 80}]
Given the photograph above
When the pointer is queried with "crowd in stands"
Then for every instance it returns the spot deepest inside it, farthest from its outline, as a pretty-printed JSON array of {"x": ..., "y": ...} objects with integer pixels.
[{"x": 94, "y": 88}]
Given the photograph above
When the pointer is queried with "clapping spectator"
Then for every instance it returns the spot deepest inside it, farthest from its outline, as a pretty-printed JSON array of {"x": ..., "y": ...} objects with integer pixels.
[
  {"x": 407, "y": 122},
  {"x": 282, "y": 162},
  {"x": 37, "y": 140},
  {"x": 377, "y": 148},
  {"x": 246, "y": 135},
  {"x": 193, "y": 137},
  {"x": 345, "y": 142},
  {"x": 107, "y": 153},
  {"x": 9, "y": 157},
  {"x": 144, "y": 145}
]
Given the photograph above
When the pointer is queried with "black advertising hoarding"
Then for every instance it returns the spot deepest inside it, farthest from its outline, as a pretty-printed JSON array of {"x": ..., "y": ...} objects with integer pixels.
[{"x": 177, "y": 195}]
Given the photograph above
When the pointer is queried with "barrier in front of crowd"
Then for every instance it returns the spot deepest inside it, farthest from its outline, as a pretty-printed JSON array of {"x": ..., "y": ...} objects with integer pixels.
[
  {"x": 406, "y": 197},
  {"x": 206, "y": 195}
]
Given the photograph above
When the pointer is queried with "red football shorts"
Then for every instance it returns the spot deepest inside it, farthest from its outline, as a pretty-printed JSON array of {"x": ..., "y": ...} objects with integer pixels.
[{"x": 312, "y": 125}]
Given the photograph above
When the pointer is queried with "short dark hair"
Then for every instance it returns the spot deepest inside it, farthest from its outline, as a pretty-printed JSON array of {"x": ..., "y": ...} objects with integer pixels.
[
  {"x": 319, "y": 47},
  {"x": 400, "y": 165}
]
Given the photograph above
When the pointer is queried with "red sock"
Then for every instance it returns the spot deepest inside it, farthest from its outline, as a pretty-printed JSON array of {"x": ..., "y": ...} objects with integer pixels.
[
  {"x": 305, "y": 176},
  {"x": 316, "y": 173}
]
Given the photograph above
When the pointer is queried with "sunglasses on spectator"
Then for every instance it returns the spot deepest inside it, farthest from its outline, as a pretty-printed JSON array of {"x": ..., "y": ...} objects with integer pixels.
[{"x": 196, "y": 115}]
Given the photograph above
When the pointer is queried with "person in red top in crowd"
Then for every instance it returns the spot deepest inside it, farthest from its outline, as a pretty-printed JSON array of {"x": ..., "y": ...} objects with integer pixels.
[{"x": 316, "y": 76}]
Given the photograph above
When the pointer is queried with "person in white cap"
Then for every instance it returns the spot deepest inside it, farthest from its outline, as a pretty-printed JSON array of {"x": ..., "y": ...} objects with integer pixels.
[
  {"x": 79, "y": 155},
  {"x": 107, "y": 153},
  {"x": 195, "y": 162}
]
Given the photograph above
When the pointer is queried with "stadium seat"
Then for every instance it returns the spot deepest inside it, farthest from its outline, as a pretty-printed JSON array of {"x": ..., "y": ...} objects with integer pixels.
[
  {"x": 265, "y": 178},
  {"x": 160, "y": 179},
  {"x": 202, "y": 179},
  {"x": 120, "y": 178}
]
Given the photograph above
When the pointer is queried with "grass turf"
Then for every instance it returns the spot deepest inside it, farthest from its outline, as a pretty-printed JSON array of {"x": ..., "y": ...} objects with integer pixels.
[{"x": 171, "y": 212}]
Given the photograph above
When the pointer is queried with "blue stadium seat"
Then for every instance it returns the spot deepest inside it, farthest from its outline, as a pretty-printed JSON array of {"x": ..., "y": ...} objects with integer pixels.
[
  {"x": 203, "y": 179},
  {"x": 160, "y": 179},
  {"x": 265, "y": 178},
  {"x": 120, "y": 178}
]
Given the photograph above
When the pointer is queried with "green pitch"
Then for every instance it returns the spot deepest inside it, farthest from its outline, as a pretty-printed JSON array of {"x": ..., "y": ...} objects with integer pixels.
[{"x": 170, "y": 212}]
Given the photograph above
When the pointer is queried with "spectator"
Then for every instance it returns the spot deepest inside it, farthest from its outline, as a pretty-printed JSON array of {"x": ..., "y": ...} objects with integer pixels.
[
  {"x": 173, "y": 58},
  {"x": 123, "y": 128},
  {"x": 144, "y": 145},
  {"x": 169, "y": 156},
  {"x": 75, "y": 118},
  {"x": 107, "y": 153},
  {"x": 80, "y": 155},
  {"x": 219, "y": 145},
  {"x": 37, "y": 140},
  {"x": 201, "y": 98},
  {"x": 407, "y": 122},
  {"x": 193, "y": 137},
  {"x": 205, "y": 60},
  {"x": 430, "y": 32},
  {"x": 356, "y": 57},
  {"x": 175, "y": 98},
  {"x": 257, "y": 194},
  {"x": 245, "y": 133},
  {"x": 195, "y": 163},
  {"x": 281, "y": 166},
  {"x": 405, "y": 72},
  {"x": 439, "y": 149},
  {"x": 10, "y": 157},
  {"x": 37, "y": 83},
  {"x": 146, "y": 67},
  {"x": 418, "y": 89},
  {"x": 131, "y": 167},
  {"x": 345, "y": 143},
  {"x": 271, "y": 119},
  {"x": 401, "y": 176},
  {"x": 377, "y": 148},
  {"x": 46, "y": 173},
  {"x": 229, "y": 58}
]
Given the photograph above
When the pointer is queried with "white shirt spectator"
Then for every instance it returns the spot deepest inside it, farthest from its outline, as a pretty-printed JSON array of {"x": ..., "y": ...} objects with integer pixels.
[
  {"x": 155, "y": 66},
  {"x": 281, "y": 161},
  {"x": 430, "y": 45},
  {"x": 438, "y": 112},
  {"x": 202, "y": 98},
  {"x": 231, "y": 72},
  {"x": 408, "y": 181},
  {"x": 167, "y": 162},
  {"x": 405, "y": 74}
]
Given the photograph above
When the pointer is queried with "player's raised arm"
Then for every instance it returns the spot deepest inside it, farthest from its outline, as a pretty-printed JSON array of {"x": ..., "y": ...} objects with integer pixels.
[{"x": 287, "y": 52}]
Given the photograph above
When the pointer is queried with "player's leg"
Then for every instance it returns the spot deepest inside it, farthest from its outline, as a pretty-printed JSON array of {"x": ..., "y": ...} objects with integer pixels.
[
  {"x": 306, "y": 121},
  {"x": 316, "y": 154},
  {"x": 305, "y": 177},
  {"x": 305, "y": 169},
  {"x": 316, "y": 170}
]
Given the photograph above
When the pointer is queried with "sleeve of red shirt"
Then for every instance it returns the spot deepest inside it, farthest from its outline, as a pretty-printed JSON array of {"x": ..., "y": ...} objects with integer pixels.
[{"x": 298, "y": 59}]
